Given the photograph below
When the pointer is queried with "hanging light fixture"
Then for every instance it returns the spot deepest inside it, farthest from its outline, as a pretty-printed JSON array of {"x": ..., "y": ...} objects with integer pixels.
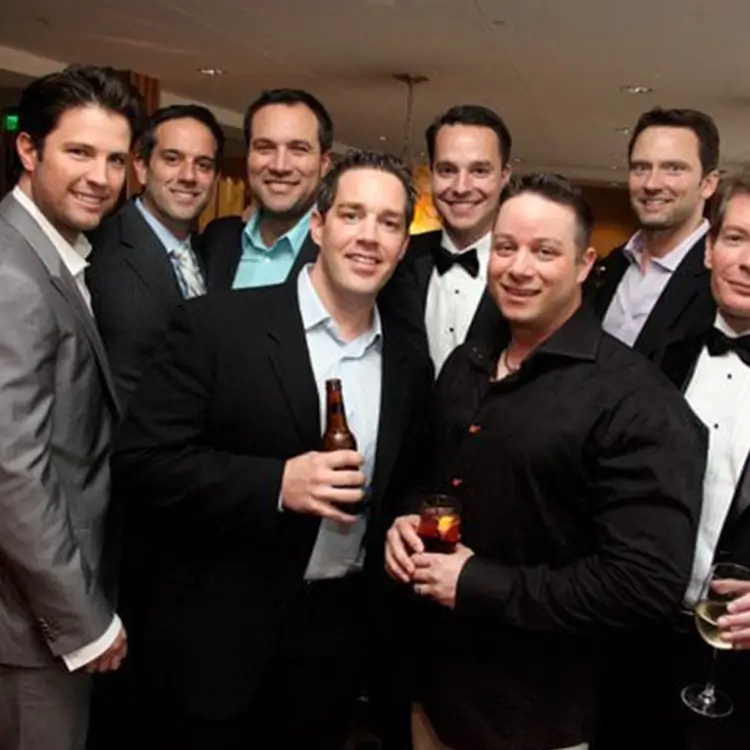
[{"x": 410, "y": 81}]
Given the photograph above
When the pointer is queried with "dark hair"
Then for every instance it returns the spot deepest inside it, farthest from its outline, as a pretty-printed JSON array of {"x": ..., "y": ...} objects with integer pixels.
[
  {"x": 358, "y": 159},
  {"x": 180, "y": 112},
  {"x": 732, "y": 187},
  {"x": 558, "y": 189},
  {"x": 291, "y": 97},
  {"x": 700, "y": 123},
  {"x": 45, "y": 100},
  {"x": 471, "y": 114}
]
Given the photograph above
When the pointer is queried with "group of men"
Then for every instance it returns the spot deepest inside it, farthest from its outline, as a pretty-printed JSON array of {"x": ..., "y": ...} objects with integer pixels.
[{"x": 173, "y": 537}]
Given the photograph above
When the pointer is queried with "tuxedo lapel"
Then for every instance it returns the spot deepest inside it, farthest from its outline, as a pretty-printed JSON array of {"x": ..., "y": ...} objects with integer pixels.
[
  {"x": 674, "y": 300},
  {"x": 148, "y": 258},
  {"x": 679, "y": 359},
  {"x": 64, "y": 283},
  {"x": 423, "y": 266},
  {"x": 290, "y": 360}
]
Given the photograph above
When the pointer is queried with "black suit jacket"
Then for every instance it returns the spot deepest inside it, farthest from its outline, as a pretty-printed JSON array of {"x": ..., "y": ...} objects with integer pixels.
[
  {"x": 220, "y": 248},
  {"x": 678, "y": 360},
  {"x": 411, "y": 284},
  {"x": 134, "y": 292},
  {"x": 685, "y": 307},
  {"x": 200, "y": 460}
]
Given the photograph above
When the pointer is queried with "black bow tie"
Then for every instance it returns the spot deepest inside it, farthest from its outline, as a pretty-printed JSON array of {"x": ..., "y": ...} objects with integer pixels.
[
  {"x": 720, "y": 343},
  {"x": 444, "y": 260}
]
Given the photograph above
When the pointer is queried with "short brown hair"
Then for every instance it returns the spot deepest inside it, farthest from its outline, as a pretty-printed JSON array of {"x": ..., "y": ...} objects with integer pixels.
[{"x": 733, "y": 186}]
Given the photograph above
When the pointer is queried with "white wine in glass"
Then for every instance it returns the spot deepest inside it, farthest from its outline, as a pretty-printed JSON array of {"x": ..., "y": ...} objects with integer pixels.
[{"x": 706, "y": 700}]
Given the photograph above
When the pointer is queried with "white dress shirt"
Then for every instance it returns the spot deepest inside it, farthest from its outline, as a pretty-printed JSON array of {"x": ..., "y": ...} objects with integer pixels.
[
  {"x": 74, "y": 259},
  {"x": 642, "y": 284},
  {"x": 452, "y": 300},
  {"x": 719, "y": 393}
]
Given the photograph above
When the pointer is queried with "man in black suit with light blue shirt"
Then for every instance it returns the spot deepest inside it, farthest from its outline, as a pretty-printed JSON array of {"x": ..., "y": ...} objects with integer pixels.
[
  {"x": 144, "y": 262},
  {"x": 263, "y": 596}
]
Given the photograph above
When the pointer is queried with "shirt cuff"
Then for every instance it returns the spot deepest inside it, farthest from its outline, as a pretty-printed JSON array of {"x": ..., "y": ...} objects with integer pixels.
[
  {"x": 484, "y": 587},
  {"x": 86, "y": 654}
]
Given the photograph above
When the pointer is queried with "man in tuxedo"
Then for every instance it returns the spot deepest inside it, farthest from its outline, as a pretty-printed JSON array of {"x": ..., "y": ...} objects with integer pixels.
[
  {"x": 469, "y": 151},
  {"x": 578, "y": 466},
  {"x": 144, "y": 261},
  {"x": 655, "y": 288},
  {"x": 263, "y": 593},
  {"x": 289, "y": 135},
  {"x": 57, "y": 410},
  {"x": 713, "y": 371}
]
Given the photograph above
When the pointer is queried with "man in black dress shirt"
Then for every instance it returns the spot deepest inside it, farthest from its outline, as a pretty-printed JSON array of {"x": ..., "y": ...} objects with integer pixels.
[{"x": 579, "y": 467}]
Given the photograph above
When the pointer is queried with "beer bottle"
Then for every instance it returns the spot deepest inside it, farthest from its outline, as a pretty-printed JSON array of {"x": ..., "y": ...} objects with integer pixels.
[{"x": 337, "y": 435}]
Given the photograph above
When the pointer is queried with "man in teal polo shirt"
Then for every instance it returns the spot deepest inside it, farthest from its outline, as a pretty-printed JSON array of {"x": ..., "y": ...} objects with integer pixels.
[{"x": 289, "y": 135}]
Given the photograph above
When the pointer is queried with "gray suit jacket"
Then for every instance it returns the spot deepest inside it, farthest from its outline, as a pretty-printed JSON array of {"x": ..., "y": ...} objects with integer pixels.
[{"x": 57, "y": 412}]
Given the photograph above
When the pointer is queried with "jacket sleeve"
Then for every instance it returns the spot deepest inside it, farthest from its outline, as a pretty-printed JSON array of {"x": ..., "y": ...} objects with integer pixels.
[
  {"x": 165, "y": 459},
  {"x": 37, "y": 545}
]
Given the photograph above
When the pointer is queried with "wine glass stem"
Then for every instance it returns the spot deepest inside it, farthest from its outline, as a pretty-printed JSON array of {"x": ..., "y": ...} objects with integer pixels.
[{"x": 708, "y": 694}]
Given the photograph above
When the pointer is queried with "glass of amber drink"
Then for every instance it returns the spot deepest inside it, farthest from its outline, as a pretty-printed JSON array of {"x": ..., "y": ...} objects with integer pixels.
[{"x": 440, "y": 523}]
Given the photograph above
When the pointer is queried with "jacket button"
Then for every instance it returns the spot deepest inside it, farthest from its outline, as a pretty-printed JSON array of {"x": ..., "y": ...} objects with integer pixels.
[
  {"x": 474, "y": 429},
  {"x": 457, "y": 481}
]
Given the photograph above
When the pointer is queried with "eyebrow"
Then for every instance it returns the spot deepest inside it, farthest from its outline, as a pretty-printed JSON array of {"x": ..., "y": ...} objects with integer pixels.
[
  {"x": 735, "y": 228},
  {"x": 266, "y": 140},
  {"x": 89, "y": 147}
]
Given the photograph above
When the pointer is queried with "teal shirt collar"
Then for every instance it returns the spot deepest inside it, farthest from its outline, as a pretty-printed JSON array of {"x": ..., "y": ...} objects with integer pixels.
[{"x": 292, "y": 240}]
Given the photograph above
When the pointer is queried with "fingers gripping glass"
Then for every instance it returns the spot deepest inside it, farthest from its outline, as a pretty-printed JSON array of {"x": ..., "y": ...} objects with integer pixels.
[
  {"x": 440, "y": 523},
  {"x": 706, "y": 700}
]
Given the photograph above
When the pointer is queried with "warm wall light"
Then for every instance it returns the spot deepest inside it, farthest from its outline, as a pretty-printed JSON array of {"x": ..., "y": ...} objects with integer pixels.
[
  {"x": 636, "y": 89},
  {"x": 211, "y": 71}
]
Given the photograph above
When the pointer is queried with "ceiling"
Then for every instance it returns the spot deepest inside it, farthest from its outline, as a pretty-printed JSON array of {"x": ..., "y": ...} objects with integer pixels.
[{"x": 553, "y": 70}]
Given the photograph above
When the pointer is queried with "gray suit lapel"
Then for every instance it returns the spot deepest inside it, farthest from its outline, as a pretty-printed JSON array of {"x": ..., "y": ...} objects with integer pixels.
[{"x": 62, "y": 280}]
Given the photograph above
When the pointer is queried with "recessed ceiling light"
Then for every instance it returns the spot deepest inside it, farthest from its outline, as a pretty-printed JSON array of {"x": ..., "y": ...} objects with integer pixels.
[
  {"x": 636, "y": 89},
  {"x": 517, "y": 160},
  {"x": 614, "y": 167},
  {"x": 211, "y": 71},
  {"x": 383, "y": 138},
  {"x": 622, "y": 131}
]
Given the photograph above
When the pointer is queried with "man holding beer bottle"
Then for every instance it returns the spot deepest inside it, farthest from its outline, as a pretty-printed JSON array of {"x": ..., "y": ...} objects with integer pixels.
[{"x": 264, "y": 545}]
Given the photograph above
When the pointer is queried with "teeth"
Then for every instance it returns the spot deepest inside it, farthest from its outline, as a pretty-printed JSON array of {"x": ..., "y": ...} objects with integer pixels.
[{"x": 364, "y": 259}]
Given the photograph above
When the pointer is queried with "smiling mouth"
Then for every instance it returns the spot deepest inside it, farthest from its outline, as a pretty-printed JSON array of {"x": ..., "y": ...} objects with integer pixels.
[
  {"x": 95, "y": 201},
  {"x": 520, "y": 293},
  {"x": 365, "y": 260}
]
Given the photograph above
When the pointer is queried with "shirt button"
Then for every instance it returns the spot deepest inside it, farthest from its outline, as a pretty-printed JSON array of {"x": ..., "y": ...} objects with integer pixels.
[
  {"x": 457, "y": 291},
  {"x": 716, "y": 426},
  {"x": 456, "y": 482},
  {"x": 450, "y": 330},
  {"x": 474, "y": 429},
  {"x": 729, "y": 376}
]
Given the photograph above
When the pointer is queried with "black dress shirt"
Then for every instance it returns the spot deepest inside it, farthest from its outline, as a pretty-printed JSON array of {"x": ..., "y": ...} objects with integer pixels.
[{"x": 581, "y": 482}]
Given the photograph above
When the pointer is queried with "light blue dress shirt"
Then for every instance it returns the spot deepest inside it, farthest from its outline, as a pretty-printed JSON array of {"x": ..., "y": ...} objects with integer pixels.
[
  {"x": 167, "y": 239},
  {"x": 338, "y": 549},
  {"x": 261, "y": 265}
]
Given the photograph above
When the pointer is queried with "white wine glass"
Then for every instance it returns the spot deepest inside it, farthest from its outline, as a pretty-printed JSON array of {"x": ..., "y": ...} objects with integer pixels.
[{"x": 706, "y": 700}]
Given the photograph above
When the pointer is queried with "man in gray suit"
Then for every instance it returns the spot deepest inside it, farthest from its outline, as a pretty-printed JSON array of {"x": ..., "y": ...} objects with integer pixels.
[{"x": 57, "y": 410}]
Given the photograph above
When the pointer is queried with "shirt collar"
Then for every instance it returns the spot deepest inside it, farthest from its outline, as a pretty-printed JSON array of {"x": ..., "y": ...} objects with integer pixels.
[
  {"x": 314, "y": 314},
  {"x": 73, "y": 256},
  {"x": 482, "y": 245},
  {"x": 293, "y": 238},
  {"x": 634, "y": 248},
  {"x": 166, "y": 237},
  {"x": 577, "y": 338},
  {"x": 721, "y": 324}
]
